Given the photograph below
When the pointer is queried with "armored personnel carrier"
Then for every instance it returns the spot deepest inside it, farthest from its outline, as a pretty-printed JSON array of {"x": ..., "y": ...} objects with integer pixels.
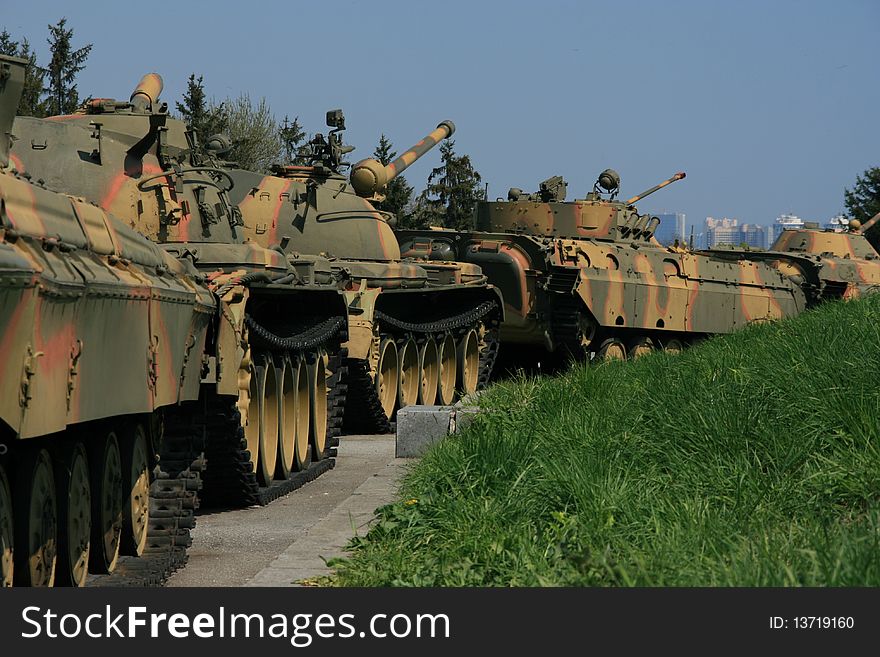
[
  {"x": 419, "y": 331},
  {"x": 587, "y": 279},
  {"x": 101, "y": 342},
  {"x": 827, "y": 264},
  {"x": 272, "y": 397}
]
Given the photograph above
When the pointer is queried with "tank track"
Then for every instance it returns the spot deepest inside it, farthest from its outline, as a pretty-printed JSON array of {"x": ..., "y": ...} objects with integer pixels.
[
  {"x": 363, "y": 411},
  {"x": 564, "y": 308},
  {"x": 336, "y": 398},
  {"x": 230, "y": 480},
  {"x": 489, "y": 355},
  {"x": 174, "y": 499}
]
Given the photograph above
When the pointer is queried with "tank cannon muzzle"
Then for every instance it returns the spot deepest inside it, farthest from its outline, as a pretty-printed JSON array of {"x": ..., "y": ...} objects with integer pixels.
[
  {"x": 647, "y": 192},
  {"x": 369, "y": 177},
  {"x": 146, "y": 92}
]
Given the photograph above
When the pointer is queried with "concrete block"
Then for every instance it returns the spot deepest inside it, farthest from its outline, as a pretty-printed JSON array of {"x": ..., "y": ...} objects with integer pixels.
[
  {"x": 419, "y": 427},
  {"x": 463, "y": 417}
]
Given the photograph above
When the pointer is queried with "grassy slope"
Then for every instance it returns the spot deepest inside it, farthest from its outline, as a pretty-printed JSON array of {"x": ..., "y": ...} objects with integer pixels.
[{"x": 752, "y": 459}]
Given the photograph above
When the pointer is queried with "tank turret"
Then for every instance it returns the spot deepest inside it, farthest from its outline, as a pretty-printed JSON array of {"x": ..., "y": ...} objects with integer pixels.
[
  {"x": 545, "y": 213},
  {"x": 369, "y": 177}
]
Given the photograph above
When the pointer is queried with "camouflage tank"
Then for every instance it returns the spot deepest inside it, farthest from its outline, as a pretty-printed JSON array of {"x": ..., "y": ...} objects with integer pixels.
[
  {"x": 827, "y": 264},
  {"x": 419, "y": 332},
  {"x": 101, "y": 337},
  {"x": 587, "y": 279},
  {"x": 272, "y": 397}
]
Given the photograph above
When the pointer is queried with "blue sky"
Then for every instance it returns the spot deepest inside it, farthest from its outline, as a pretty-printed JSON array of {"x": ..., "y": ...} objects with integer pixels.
[{"x": 770, "y": 107}]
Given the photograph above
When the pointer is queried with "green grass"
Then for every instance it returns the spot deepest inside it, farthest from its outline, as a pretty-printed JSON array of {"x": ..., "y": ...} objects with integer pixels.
[{"x": 748, "y": 460}]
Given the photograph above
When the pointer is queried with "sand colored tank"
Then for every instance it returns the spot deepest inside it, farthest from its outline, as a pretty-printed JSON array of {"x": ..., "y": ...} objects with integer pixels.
[
  {"x": 103, "y": 335},
  {"x": 270, "y": 377},
  {"x": 419, "y": 331}
]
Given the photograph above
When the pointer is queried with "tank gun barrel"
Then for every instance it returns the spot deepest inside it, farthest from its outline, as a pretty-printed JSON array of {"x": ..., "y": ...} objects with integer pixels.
[
  {"x": 869, "y": 223},
  {"x": 647, "y": 192},
  {"x": 369, "y": 177},
  {"x": 147, "y": 91},
  {"x": 11, "y": 86}
]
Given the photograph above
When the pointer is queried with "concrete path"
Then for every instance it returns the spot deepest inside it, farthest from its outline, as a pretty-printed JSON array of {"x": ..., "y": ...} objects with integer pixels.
[{"x": 284, "y": 542}]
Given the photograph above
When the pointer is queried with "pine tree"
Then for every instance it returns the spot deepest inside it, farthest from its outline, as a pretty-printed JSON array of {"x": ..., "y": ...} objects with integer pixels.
[
  {"x": 863, "y": 200},
  {"x": 66, "y": 62},
  {"x": 194, "y": 107},
  {"x": 207, "y": 119},
  {"x": 7, "y": 45},
  {"x": 30, "y": 104},
  {"x": 292, "y": 138},
  {"x": 398, "y": 192},
  {"x": 452, "y": 192}
]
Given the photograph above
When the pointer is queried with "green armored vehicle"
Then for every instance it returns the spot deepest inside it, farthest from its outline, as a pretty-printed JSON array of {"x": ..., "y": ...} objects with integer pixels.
[
  {"x": 418, "y": 331},
  {"x": 272, "y": 397},
  {"x": 101, "y": 342},
  {"x": 586, "y": 278}
]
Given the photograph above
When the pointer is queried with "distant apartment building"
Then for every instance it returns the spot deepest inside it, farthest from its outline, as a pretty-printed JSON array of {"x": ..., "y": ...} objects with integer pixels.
[
  {"x": 754, "y": 235},
  {"x": 783, "y": 222},
  {"x": 672, "y": 227},
  {"x": 721, "y": 231},
  {"x": 837, "y": 224},
  {"x": 730, "y": 231}
]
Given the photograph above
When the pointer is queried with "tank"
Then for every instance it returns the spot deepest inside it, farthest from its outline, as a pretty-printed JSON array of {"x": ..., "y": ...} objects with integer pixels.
[
  {"x": 827, "y": 264},
  {"x": 419, "y": 331},
  {"x": 271, "y": 397},
  {"x": 586, "y": 278},
  {"x": 101, "y": 342}
]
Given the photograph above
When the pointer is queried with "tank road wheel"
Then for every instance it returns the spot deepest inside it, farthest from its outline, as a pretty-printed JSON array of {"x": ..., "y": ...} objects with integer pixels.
[
  {"x": 447, "y": 358},
  {"x": 429, "y": 372},
  {"x": 267, "y": 431},
  {"x": 318, "y": 404},
  {"x": 468, "y": 357},
  {"x": 387, "y": 376},
  {"x": 408, "y": 390},
  {"x": 672, "y": 346},
  {"x": 136, "y": 510},
  {"x": 249, "y": 406},
  {"x": 302, "y": 404},
  {"x": 640, "y": 347},
  {"x": 286, "y": 419},
  {"x": 107, "y": 503},
  {"x": 611, "y": 349},
  {"x": 74, "y": 516},
  {"x": 36, "y": 525},
  {"x": 6, "y": 530}
]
